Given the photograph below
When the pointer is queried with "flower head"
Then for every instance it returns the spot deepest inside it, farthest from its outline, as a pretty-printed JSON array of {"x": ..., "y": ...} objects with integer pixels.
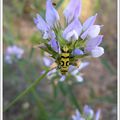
[
  {"x": 68, "y": 45},
  {"x": 88, "y": 114},
  {"x": 13, "y": 52},
  {"x": 52, "y": 16},
  {"x": 73, "y": 10}
]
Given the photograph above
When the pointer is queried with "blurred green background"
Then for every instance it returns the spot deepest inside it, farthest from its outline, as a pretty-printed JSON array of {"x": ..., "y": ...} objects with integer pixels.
[{"x": 99, "y": 90}]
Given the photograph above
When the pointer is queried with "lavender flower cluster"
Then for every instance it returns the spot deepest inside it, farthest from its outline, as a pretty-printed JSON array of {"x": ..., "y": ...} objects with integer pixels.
[
  {"x": 13, "y": 53},
  {"x": 88, "y": 114},
  {"x": 88, "y": 32},
  {"x": 86, "y": 35}
]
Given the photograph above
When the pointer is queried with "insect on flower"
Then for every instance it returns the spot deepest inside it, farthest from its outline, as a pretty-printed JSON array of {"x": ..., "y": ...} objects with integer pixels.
[
  {"x": 68, "y": 46},
  {"x": 65, "y": 59}
]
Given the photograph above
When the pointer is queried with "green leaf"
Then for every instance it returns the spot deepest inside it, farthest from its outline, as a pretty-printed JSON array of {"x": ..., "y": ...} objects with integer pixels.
[
  {"x": 80, "y": 43},
  {"x": 49, "y": 49},
  {"x": 36, "y": 39}
]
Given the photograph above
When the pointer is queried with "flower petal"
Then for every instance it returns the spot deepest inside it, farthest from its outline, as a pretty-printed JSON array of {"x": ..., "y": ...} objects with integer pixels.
[
  {"x": 74, "y": 72},
  {"x": 92, "y": 43},
  {"x": 73, "y": 30},
  {"x": 52, "y": 16},
  {"x": 8, "y": 59},
  {"x": 77, "y": 51},
  {"x": 89, "y": 22},
  {"x": 97, "y": 52},
  {"x": 91, "y": 32},
  {"x": 41, "y": 24},
  {"x": 94, "y": 31},
  {"x": 62, "y": 78},
  {"x": 47, "y": 61},
  {"x": 71, "y": 68},
  {"x": 83, "y": 65},
  {"x": 55, "y": 45},
  {"x": 79, "y": 78},
  {"x": 97, "y": 116},
  {"x": 88, "y": 111},
  {"x": 72, "y": 10},
  {"x": 72, "y": 35}
]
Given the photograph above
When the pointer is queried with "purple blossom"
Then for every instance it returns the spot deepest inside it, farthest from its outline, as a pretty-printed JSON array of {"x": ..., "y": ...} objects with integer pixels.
[
  {"x": 63, "y": 77},
  {"x": 76, "y": 71},
  {"x": 73, "y": 10},
  {"x": 87, "y": 25},
  {"x": 88, "y": 111},
  {"x": 47, "y": 61},
  {"x": 77, "y": 51},
  {"x": 52, "y": 16},
  {"x": 89, "y": 22},
  {"x": 13, "y": 52},
  {"x": 92, "y": 46},
  {"x": 97, "y": 116},
  {"x": 86, "y": 35},
  {"x": 97, "y": 52},
  {"x": 94, "y": 31},
  {"x": 55, "y": 45},
  {"x": 92, "y": 43},
  {"x": 73, "y": 30},
  {"x": 42, "y": 26},
  {"x": 88, "y": 114},
  {"x": 77, "y": 116}
]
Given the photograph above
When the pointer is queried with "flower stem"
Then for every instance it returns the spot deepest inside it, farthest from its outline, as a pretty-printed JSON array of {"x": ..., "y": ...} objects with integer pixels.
[{"x": 26, "y": 91}]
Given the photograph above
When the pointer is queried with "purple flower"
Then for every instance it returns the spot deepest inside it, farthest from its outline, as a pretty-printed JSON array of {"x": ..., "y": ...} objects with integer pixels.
[
  {"x": 52, "y": 16},
  {"x": 42, "y": 26},
  {"x": 97, "y": 116},
  {"x": 63, "y": 77},
  {"x": 77, "y": 51},
  {"x": 92, "y": 43},
  {"x": 89, "y": 22},
  {"x": 88, "y": 114},
  {"x": 73, "y": 30},
  {"x": 55, "y": 45},
  {"x": 73, "y": 10},
  {"x": 87, "y": 25},
  {"x": 76, "y": 71},
  {"x": 83, "y": 39},
  {"x": 88, "y": 111},
  {"x": 94, "y": 31},
  {"x": 97, "y": 52},
  {"x": 47, "y": 61},
  {"x": 13, "y": 52},
  {"x": 92, "y": 46},
  {"x": 77, "y": 116}
]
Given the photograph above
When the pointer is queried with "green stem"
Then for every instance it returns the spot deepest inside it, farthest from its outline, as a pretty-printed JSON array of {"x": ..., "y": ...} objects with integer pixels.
[
  {"x": 74, "y": 100},
  {"x": 42, "y": 111},
  {"x": 26, "y": 91}
]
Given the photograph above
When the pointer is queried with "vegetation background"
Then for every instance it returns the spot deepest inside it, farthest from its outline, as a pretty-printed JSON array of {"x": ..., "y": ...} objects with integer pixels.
[{"x": 99, "y": 89}]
